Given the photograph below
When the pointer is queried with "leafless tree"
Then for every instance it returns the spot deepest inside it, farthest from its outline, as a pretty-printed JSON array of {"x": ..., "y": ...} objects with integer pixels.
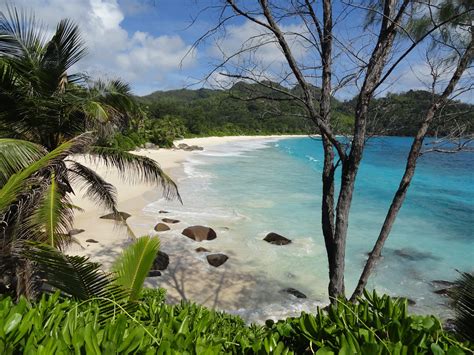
[{"x": 338, "y": 56}]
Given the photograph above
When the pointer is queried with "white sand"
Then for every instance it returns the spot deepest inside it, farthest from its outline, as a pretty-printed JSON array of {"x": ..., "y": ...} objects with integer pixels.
[{"x": 187, "y": 277}]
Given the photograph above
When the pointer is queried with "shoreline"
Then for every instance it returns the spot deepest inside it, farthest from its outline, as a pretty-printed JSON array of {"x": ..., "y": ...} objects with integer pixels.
[{"x": 188, "y": 275}]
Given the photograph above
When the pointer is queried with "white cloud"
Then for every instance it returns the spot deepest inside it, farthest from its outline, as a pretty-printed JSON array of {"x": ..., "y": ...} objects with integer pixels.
[{"x": 140, "y": 58}]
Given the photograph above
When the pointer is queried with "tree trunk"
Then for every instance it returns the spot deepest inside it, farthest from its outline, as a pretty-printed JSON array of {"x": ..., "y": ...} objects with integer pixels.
[
  {"x": 415, "y": 151},
  {"x": 350, "y": 165}
]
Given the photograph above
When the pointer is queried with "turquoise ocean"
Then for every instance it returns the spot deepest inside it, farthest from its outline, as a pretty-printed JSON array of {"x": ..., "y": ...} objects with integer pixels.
[{"x": 246, "y": 189}]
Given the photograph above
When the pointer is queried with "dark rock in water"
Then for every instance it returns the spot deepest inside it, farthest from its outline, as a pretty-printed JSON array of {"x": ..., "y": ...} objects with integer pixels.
[
  {"x": 269, "y": 323},
  {"x": 414, "y": 255},
  {"x": 162, "y": 211},
  {"x": 91, "y": 241},
  {"x": 449, "y": 325},
  {"x": 75, "y": 231},
  {"x": 409, "y": 300},
  {"x": 162, "y": 261},
  {"x": 447, "y": 287},
  {"x": 202, "y": 250},
  {"x": 200, "y": 233},
  {"x": 154, "y": 273},
  {"x": 121, "y": 216},
  {"x": 294, "y": 292},
  {"x": 276, "y": 239},
  {"x": 442, "y": 283},
  {"x": 170, "y": 220},
  {"x": 161, "y": 227},
  {"x": 443, "y": 291},
  {"x": 217, "y": 259},
  {"x": 182, "y": 146}
]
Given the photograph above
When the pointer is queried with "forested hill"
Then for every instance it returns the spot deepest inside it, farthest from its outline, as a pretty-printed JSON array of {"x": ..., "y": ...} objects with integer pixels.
[{"x": 232, "y": 112}]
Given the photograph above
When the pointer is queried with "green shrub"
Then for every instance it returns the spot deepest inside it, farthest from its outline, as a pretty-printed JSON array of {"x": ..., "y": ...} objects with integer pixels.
[
  {"x": 165, "y": 130},
  {"x": 377, "y": 325}
]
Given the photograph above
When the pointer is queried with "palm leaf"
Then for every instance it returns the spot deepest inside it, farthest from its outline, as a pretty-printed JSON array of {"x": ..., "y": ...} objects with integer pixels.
[
  {"x": 16, "y": 155},
  {"x": 133, "y": 265},
  {"x": 21, "y": 182},
  {"x": 20, "y": 33},
  {"x": 463, "y": 303},
  {"x": 96, "y": 188},
  {"x": 135, "y": 168},
  {"x": 53, "y": 217},
  {"x": 74, "y": 276},
  {"x": 65, "y": 49}
]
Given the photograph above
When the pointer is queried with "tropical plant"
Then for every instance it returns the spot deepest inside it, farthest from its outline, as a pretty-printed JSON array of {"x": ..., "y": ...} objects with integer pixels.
[
  {"x": 462, "y": 296},
  {"x": 132, "y": 267},
  {"x": 34, "y": 195},
  {"x": 40, "y": 100},
  {"x": 376, "y": 326},
  {"x": 78, "y": 278}
]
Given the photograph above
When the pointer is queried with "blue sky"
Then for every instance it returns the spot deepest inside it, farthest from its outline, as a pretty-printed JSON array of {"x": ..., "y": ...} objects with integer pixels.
[{"x": 144, "y": 42}]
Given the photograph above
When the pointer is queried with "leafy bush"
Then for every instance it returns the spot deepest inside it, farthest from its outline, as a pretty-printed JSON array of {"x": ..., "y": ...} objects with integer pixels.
[
  {"x": 53, "y": 325},
  {"x": 165, "y": 130},
  {"x": 377, "y": 325}
]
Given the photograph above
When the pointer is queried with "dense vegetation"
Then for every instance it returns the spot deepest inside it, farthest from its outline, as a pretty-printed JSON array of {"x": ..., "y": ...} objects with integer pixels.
[
  {"x": 377, "y": 325},
  {"x": 239, "y": 111}
]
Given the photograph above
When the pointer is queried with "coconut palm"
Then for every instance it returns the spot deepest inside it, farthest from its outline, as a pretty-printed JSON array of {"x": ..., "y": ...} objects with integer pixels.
[
  {"x": 35, "y": 204},
  {"x": 46, "y": 111},
  {"x": 41, "y": 103},
  {"x": 40, "y": 100}
]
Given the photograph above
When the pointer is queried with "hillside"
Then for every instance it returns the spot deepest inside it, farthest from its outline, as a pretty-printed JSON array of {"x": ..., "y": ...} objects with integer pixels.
[{"x": 251, "y": 109}]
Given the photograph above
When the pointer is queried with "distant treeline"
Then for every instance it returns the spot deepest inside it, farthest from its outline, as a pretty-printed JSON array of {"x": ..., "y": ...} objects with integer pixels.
[{"x": 253, "y": 109}]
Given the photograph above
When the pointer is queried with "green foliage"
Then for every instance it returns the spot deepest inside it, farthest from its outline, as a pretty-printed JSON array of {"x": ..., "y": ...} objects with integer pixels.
[
  {"x": 132, "y": 266},
  {"x": 165, "y": 130},
  {"x": 227, "y": 112},
  {"x": 377, "y": 325},
  {"x": 462, "y": 295},
  {"x": 374, "y": 325},
  {"x": 401, "y": 114},
  {"x": 220, "y": 112}
]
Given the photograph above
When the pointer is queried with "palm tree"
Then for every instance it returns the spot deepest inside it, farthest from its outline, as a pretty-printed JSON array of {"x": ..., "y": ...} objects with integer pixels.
[
  {"x": 41, "y": 103},
  {"x": 40, "y": 100},
  {"x": 46, "y": 111}
]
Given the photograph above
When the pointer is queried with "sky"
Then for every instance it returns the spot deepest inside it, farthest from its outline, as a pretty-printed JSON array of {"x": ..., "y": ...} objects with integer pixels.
[{"x": 148, "y": 43}]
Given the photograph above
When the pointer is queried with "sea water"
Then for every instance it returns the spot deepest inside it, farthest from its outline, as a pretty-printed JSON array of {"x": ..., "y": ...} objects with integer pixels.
[{"x": 247, "y": 189}]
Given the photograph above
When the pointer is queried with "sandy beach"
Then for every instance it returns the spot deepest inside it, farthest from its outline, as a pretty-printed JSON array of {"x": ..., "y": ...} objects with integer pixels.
[{"x": 188, "y": 277}]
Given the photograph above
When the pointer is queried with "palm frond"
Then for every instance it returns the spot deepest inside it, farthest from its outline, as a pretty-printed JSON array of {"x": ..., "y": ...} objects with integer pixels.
[
  {"x": 133, "y": 265},
  {"x": 20, "y": 33},
  {"x": 22, "y": 181},
  {"x": 135, "y": 168},
  {"x": 65, "y": 49},
  {"x": 463, "y": 303},
  {"x": 53, "y": 217},
  {"x": 96, "y": 188},
  {"x": 16, "y": 155},
  {"x": 74, "y": 276}
]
